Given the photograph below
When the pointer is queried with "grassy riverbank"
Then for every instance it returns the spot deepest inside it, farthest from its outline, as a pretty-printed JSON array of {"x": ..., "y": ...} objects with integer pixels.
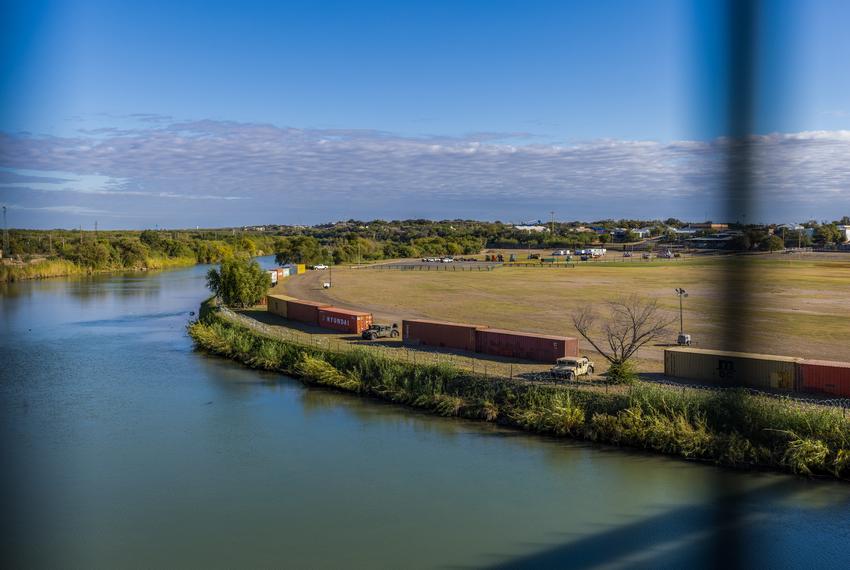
[
  {"x": 729, "y": 428},
  {"x": 62, "y": 268}
]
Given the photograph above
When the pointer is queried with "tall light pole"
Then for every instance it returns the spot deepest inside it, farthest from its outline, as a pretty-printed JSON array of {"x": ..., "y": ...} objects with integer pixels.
[{"x": 683, "y": 338}]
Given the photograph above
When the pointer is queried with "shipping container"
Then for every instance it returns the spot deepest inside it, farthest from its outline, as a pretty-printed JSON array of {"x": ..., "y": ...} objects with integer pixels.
[
  {"x": 302, "y": 268},
  {"x": 273, "y": 274},
  {"x": 437, "y": 333},
  {"x": 284, "y": 272},
  {"x": 527, "y": 346},
  {"x": 825, "y": 376},
  {"x": 304, "y": 311},
  {"x": 344, "y": 320},
  {"x": 762, "y": 371},
  {"x": 277, "y": 304}
]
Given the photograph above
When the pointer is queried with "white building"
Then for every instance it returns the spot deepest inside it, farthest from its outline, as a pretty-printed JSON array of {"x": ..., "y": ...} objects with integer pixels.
[
  {"x": 531, "y": 228},
  {"x": 845, "y": 233}
]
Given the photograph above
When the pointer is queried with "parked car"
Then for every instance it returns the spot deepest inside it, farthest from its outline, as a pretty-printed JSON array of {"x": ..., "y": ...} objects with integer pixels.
[
  {"x": 320, "y": 267},
  {"x": 571, "y": 367},
  {"x": 380, "y": 331},
  {"x": 627, "y": 254}
]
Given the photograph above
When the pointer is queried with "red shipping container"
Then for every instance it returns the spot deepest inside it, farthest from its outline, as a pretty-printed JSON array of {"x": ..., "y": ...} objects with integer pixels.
[
  {"x": 527, "y": 346},
  {"x": 825, "y": 376},
  {"x": 304, "y": 311},
  {"x": 436, "y": 333},
  {"x": 344, "y": 320}
]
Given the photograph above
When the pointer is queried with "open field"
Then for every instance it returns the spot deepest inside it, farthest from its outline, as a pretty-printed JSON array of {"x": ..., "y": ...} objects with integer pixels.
[{"x": 799, "y": 306}]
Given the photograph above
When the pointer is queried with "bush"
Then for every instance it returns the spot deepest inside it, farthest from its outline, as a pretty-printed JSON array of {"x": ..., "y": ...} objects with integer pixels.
[{"x": 622, "y": 372}]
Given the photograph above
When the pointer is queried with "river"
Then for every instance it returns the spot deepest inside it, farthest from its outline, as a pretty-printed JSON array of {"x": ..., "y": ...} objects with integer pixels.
[{"x": 123, "y": 447}]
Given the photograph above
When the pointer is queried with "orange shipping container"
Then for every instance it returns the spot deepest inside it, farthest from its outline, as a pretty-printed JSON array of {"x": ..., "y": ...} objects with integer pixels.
[
  {"x": 527, "y": 346},
  {"x": 825, "y": 376},
  {"x": 436, "y": 333},
  {"x": 277, "y": 304},
  {"x": 304, "y": 311},
  {"x": 344, "y": 320}
]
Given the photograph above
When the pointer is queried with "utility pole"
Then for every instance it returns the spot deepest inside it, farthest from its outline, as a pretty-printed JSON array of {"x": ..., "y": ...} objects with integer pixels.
[{"x": 552, "y": 213}]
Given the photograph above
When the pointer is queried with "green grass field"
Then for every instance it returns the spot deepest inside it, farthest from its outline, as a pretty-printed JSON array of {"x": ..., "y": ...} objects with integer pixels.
[{"x": 797, "y": 306}]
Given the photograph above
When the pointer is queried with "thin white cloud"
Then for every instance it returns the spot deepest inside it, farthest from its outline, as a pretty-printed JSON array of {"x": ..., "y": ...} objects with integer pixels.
[{"x": 331, "y": 173}]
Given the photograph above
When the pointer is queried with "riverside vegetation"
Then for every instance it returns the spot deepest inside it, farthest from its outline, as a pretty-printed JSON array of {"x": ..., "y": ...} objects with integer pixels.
[
  {"x": 730, "y": 428},
  {"x": 55, "y": 253}
]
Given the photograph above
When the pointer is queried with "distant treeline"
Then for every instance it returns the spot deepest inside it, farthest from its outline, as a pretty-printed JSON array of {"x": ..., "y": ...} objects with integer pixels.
[
  {"x": 352, "y": 241},
  {"x": 64, "y": 252}
]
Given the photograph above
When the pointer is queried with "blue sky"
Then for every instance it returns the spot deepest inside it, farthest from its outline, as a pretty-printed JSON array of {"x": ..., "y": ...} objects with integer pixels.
[{"x": 214, "y": 113}]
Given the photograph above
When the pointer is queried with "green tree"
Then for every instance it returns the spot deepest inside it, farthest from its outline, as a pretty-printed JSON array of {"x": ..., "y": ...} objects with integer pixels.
[
  {"x": 151, "y": 238},
  {"x": 604, "y": 238},
  {"x": 771, "y": 243},
  {"x": 240, "y": 282},
  {"x": 131, "y": 253},
  {"x": 95, "y": 255},
  {"x": 827, "y": 233},
  {"x": 299, "y": 249}
]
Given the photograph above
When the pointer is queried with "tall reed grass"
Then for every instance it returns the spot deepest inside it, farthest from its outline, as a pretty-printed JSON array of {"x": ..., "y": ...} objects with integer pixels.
[
  {"x": 40, "y": 270},
  {"x": 730, "y": 428}
]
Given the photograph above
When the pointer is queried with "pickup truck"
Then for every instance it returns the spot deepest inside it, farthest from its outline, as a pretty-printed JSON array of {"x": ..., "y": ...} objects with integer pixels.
[{"x": 571, "y": 367}]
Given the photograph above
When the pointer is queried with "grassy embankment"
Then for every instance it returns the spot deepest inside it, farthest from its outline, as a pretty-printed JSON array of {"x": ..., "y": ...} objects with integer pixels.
[
  {"x": 728, "y": 428},
  {"x": 63, "y": 267},
  {"x": 799, "y": 306}
]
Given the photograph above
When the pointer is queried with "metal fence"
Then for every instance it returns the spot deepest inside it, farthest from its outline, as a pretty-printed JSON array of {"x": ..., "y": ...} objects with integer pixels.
[
  {"x": 492, "y": 369},
  {"x": 432, "y": 267}
]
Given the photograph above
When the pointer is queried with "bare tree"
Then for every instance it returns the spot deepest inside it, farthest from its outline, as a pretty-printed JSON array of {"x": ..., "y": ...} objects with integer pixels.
[{"x": 631, "y": 323}]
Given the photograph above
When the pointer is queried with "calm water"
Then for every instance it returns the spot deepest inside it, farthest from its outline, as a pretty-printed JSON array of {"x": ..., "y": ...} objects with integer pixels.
[{"x": 124, "y": 448}]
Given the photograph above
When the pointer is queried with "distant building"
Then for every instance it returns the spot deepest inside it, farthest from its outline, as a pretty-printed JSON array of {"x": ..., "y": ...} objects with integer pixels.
[
  {"x": 710, "y": 242},
  {"x": 531, "y": 228},
  {"x": 845, "y": 233},
  {"x": 686, "y": 231},
  {"x": 621, "y": 233},
  {"x": 709, "y": 226}
]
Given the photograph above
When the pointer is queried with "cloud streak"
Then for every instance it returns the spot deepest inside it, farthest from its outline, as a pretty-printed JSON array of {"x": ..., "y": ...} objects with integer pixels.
[{"x": 277, "y": 174}]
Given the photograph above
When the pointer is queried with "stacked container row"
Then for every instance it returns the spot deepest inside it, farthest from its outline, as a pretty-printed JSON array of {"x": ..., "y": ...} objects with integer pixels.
[
  {"x": 497, "y": 342},
  {"x": 528, "y": 346},
  {"x": 277, "y": 304},
  {"x": 440, "y": 334},
  {"x": 304, "y": 311},
  {"x": 719, "y": 367},
  {"x": 826, "y": 377},
  {"x": 344, "y": 320}
]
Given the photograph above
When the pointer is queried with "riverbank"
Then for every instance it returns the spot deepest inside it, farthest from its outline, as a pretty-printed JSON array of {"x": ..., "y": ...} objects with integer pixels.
[
  {"x": 47, "y": 268},
  {"x": 729, "y": 428}
]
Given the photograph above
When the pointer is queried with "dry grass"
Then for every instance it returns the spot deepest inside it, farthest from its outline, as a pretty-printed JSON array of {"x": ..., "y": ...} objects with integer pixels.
[{"x": 800, "y": 307}]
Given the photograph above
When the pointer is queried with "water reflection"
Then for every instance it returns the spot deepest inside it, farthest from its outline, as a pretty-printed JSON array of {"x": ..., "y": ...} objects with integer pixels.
[{"x": 129, "y": 445}]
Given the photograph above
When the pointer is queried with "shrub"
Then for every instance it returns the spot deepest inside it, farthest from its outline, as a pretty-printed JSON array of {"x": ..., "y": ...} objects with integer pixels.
[
  {"x": 804, "y": 454},
  {"x": 622, "y": 372}
]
